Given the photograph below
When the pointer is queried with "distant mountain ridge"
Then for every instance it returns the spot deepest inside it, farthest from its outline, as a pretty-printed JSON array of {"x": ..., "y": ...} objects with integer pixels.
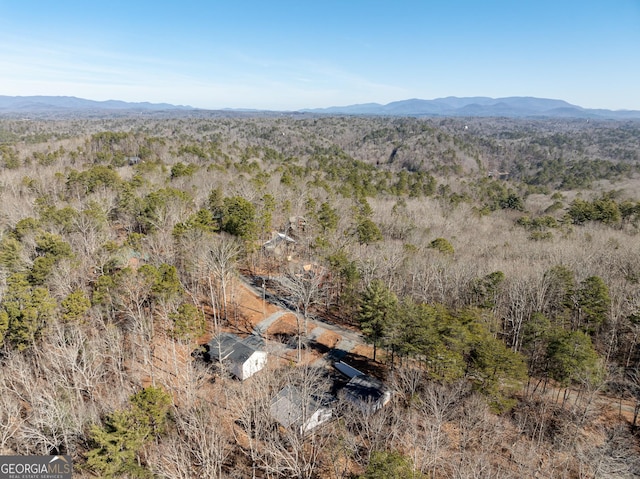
[
  {"x": 514, "y": 107},
  {"x": 511, "y": 107},
  {"x": 61, "y": 104}
]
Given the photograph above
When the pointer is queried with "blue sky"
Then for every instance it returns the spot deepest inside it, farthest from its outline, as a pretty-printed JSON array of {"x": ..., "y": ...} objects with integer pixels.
[{"x": 302, "y": 54}]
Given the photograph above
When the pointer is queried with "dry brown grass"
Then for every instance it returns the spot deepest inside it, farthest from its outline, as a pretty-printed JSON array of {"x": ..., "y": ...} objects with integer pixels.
[
  {"x": 328, "y": 339},
  {"x": 286, "y": 324}
]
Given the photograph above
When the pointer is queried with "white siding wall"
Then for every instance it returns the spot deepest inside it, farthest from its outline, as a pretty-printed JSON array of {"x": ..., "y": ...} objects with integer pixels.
[
  {"x": 320, "y": 416},
  {"x": 252, "y": 365}
]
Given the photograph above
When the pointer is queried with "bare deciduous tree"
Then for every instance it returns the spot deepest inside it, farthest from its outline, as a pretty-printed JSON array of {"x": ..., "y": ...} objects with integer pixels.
[
  {"x": 221, "y": 261},
  {"x": 11, "y": 418},
  {"x": 198, "y": 448},
  {"x": 306, "y": 288}
]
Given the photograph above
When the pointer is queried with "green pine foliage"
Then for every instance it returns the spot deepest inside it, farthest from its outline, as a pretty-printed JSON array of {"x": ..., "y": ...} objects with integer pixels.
[
  {"x": 118, "y": 443},
  {"x": 450, "y": 344},
  {"x": 25, "y": 227},
  {"x": 391, "y": 465},
  {"x": 572, "y": 358},
  {"x": 95, "y": 178},
  {"x": 368, "y": 232},
  {"x": 188, "y": 322},
  {"x": 484, "y": 291},
  {"x": 495, "y": 370},
  {"x": 604, "y": 210},
  {"x": 166, "y": 282},
  {"x": 442, "y": 245},
  {"x": 327, "y": 217},
  {"x": 26, "y": 310},
  {"x": 377, "y": 313},
  {"x": 11, "y": 254},
  {"x": 201, "y": 222},
  {"x": 180, "y": 169},
  {"x": 592, "y": 305},
  {"x": 116, "y": 447},
  {"x": 239, "y": 218},
  {"x": 74, "y": 306},
  {"x": 150, "y": 408}
]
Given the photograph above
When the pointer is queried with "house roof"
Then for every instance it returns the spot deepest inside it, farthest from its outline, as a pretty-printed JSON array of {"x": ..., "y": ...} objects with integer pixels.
[
  {"x": 366, "y": 389},
  {"x": 288, "y": 406},
  {"x": 255, "y": 341},
  {"x": 277, "y": 239},
  {"x": 228, "y": 346}
]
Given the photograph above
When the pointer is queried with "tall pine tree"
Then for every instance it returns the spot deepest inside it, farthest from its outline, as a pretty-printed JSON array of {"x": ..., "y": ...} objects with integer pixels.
[{"x": 377, "y": 314}]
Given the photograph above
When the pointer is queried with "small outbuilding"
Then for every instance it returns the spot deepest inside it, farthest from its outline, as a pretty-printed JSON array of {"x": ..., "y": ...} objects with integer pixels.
[
  {"x": 292, "y": 409},
  {"x": 347, "y": 370},
  {"x": 241, "y": 357},
  {"x": 367, "y": 393}
]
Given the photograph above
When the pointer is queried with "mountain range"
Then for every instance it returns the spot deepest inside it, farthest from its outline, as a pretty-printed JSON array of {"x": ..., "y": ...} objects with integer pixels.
[
  {"x": 62, "y": 104},
  {"x": 511, "y": 107}
]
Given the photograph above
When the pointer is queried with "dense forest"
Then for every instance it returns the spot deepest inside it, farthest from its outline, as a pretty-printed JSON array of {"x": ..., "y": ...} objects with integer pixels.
[{"x": 491, "y": 268}]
